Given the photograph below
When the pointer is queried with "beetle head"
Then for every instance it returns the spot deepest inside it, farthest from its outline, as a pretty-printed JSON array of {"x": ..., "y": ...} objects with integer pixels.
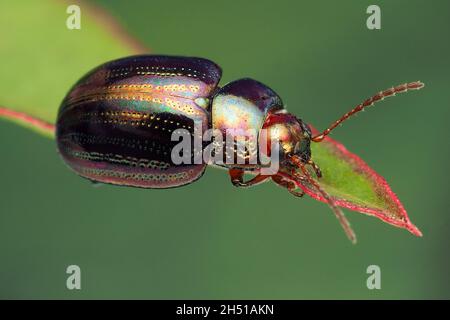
[{"x": 293, "y": 134}]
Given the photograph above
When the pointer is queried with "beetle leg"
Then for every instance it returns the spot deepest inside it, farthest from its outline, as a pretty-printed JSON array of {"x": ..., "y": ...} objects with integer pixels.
[
  {"x": 289, "y": 185},
  {"x": 237, "y": 178},
  {"x": 331, "y": 203},
  {"x": 316, "y": 168}
]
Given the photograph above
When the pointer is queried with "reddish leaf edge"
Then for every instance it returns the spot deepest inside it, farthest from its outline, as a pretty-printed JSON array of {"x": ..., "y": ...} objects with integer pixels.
[
  {"x": 379, "y": 180},
  {"x": 105, "y": 18},
  {"x": 28, "y": 120}
]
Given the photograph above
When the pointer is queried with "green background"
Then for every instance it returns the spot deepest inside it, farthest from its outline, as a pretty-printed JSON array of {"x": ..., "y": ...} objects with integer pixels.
[{"x": 211, "y": 240}]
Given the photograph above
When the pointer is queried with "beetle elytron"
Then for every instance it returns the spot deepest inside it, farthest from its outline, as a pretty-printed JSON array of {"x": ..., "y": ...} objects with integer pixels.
[{"x": 115, "y": 124}]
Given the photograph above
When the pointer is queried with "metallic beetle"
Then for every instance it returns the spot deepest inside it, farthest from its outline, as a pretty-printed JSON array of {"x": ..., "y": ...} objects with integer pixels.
[{"x": 115, "y": 124}]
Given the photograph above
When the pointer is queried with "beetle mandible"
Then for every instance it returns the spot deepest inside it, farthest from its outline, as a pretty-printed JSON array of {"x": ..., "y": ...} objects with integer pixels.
[{"x": 115, "y": 124}]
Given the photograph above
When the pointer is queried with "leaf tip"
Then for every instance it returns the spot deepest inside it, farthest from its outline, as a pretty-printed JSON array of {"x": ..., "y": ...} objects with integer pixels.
[{"x": 414, "y": 230}]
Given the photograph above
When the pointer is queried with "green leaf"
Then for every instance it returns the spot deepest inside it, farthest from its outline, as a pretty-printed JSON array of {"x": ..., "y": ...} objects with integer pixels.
[
  {"x": 43, "y": 58},
  {"x": 354, "y": 185},
  {"x": 44, "y": 66}
]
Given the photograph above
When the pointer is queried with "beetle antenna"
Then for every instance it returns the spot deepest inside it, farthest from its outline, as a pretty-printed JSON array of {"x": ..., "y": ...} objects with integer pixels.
[
  {"x": 337, "y": 211},
  {"x": 369, "y": 102}
]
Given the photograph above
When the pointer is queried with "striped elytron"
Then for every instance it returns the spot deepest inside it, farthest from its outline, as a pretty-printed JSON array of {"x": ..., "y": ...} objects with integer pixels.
[{"x": 115, "y": 124}]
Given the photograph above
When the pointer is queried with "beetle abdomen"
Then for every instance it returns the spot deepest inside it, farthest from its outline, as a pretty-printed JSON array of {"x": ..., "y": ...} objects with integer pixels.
[{"x": 115, "y": 125}]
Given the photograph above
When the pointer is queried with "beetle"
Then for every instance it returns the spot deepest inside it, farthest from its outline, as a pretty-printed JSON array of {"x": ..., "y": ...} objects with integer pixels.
[{"x": 116, "y": 124}]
